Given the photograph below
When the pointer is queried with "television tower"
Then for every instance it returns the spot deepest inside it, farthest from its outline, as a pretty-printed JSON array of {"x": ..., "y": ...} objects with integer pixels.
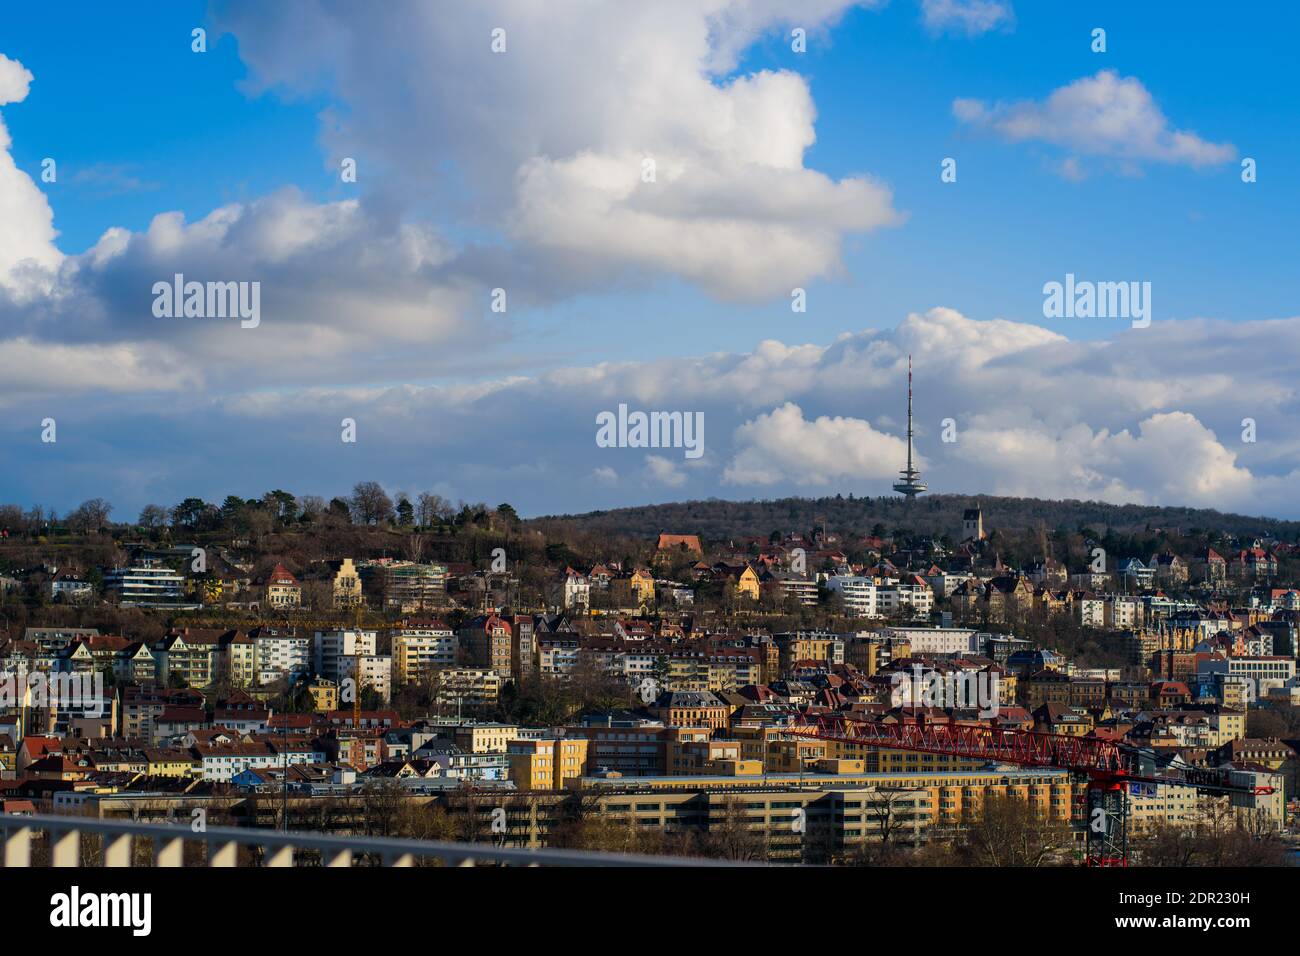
[{"x": 910, "y": 484}]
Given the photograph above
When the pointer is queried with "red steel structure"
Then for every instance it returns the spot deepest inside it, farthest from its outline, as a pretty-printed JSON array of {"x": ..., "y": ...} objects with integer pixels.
[{"x": 1110, "y": 767}]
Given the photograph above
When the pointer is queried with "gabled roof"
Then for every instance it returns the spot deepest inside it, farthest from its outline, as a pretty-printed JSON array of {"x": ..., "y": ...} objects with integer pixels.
[{"x": 280, "y": 576}]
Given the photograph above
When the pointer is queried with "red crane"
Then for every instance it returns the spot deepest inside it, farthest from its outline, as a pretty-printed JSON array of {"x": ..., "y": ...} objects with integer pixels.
[{"x": 1110, "y": 767}]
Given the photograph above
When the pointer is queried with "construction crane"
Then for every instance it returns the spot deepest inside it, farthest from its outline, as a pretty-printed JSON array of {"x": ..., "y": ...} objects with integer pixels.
[
  {"x": 1109, "y": 766},
  {"x": 356, "y": 681}
]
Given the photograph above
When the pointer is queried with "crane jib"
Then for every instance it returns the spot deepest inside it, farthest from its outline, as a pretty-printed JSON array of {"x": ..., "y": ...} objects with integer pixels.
[{"x": 1099, "y": 759}]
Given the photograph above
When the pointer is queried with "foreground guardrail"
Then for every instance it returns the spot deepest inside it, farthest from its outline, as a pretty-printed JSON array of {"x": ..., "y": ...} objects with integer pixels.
[{"x": 63, "y": 836}]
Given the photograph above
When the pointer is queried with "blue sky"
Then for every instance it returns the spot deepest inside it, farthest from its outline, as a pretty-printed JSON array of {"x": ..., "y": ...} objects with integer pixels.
[{"x": 142, "y": 126}]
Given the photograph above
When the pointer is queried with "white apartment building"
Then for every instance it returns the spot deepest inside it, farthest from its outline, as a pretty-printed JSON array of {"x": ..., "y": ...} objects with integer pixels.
[
  {"x": 577, "y": 592},
  {"x": 859, "y": 594},
  {"x": 222, "y": 762},
  {"x": 147, "y": 584},
  {"x": 1259, "y": 675},
  {"x": 944, "y": 583},
  {"x": 376, "y": 672},
  {"x": 936, "y": 640},
  {"x": 1123, "y": 612},
  {"x": 896, "y": 599},
  {"x": 1092, "y": 611},
  {"x": 280, "y": 654},
  {"x": 334, "y": 646}
]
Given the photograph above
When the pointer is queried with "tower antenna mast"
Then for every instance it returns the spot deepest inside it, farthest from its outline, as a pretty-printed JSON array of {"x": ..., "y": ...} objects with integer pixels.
[{"x": 909, "y": 484}]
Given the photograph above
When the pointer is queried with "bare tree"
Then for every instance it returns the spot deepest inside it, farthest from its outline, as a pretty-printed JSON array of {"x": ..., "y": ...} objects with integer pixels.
[
  {"x": 1011, "y": 832},
  {"x": 90, "y": 516},
  {"x": 370, "y": 504},
  {"x": 887, "y": 812},
  {"x": 313, "y": 506},
  {"x": 430, "y": 509},
  {"x": 414, "y": 545},
  {"x": 1221, "y": 837},
  {"x": 734, "y": 838},
  {"x": 152, "y": 516}
]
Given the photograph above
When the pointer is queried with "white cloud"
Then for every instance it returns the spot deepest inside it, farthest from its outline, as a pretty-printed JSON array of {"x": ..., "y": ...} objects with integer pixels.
[
  {"x": 15, "y": 80},
  {"x": 26, "y": 220},
  {"x": 782, "y": 446},
  {"x": 1103, "y": 115},
  {"x": 971, "y": 17},
  {"x": 664, "y": 471},
  {"x": 338, "y": 284},
  {"x": 1172, "y": 458},
  {"x": 40, "y": 369},
  {"x": 550, "y": 136},
  {"x": 1150, "y": 416}
]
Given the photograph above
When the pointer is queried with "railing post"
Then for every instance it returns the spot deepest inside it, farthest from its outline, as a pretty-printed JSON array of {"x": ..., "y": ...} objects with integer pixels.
[
  {"x": 279, "y": 856},
  {"x": 223, "y": 854},
  {"x": 168, "y": 851},
  {"x": 399, "y": 859},
  {"x": 341, "y": 858},
  {"x": 117, "y": 849},
  {"x": 65, "y": 847},
  {"x": 18, "y": 847}
]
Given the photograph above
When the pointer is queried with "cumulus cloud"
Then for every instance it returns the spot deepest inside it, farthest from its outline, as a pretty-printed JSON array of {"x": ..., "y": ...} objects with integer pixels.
[
  {"x": 664, "y": 471},
  {"x": 26, "y": 220},
  {"x": 1105, "y": 115},
  {"x": 971, "y": 17},
  {"x": 1170, "y": 457},
  {"x": 39, "y": 369},
  {"x": 15, "y": 81},
  {"x": 337, "y": 283},
  {"x": 783, "y": 446},
  {"x": 554, "y": 142},
  {"x": 1150, "y": 416}
]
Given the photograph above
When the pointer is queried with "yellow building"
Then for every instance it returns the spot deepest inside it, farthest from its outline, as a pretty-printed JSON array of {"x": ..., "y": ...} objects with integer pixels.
[
  {"x": 839, "y": 809},
  {"x": 170, "y": 763},
  {"x": 747, "y": 583},
  {"x": 795, "y": 755},
  {"x": 552, "y": 764},
  {"x": 723, "y": 669},
  {"x": 485, "y": 738},
  {"x": 418, "y": 653},
  {"x": 240, "y": 661},
  {"x": 324, "y": 695},
  {"x": 809, "y": 646},
  {"x": 347, "y": 585},
  {"x": 839, "y": 812},
  {"x": 643, "y": 586},
  {"x": 871, "y": 655}
]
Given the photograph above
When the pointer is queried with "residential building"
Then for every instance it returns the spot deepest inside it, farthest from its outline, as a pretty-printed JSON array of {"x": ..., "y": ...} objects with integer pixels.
[
  {"x": 420, "y": 649},
  {"x": 333, "y": 647},
  {"x": 147, "y": 584},
  {"x": 547, "y": 764},
  {"x": 282, "y": 590}
]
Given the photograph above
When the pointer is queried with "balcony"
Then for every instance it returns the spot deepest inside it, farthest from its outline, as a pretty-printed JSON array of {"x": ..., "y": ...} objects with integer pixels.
[{"x": 69, "y": 841}]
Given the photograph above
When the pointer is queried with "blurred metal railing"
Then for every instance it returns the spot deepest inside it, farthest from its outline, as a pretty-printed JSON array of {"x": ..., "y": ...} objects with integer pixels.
[{"x": 61, "y": 839}]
